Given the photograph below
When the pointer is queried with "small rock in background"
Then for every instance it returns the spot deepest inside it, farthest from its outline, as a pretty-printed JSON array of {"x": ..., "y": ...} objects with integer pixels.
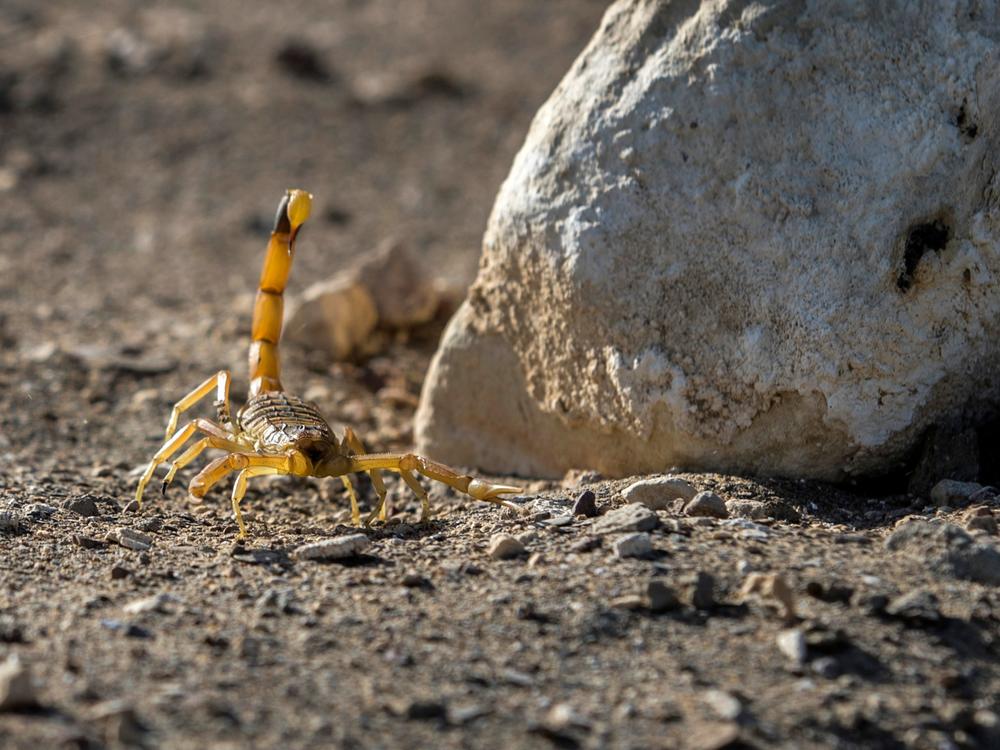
[
  {"x": 953, "y": 493},
  {"x": 300, "y": 59},
  {"x": 659, "y": 493},
  {"x": 130, "y": 539},
  {"x": 88, "y": 542},
  {"x": 826, "y": 667},
  {"x": 634, "y": 517},
  {"x": 758, "y": 510},
  {"x": 402, "y": 90},
  {"x": 17, "y": 690},
  {"x": 10, "y": 631},
  {"x": 121, "y": 726},
  {"x": 38, "y": 511},
  {"x": 586, "y": 504},
  {"x": 919, "y": 605},
  {"x": 391, "y": 290},
  {"x": 835, "y": 592},
  {"x": 156, "y": 603},
  {"x": 334, "y": 549},
  {"x": 792, "y": 643},
  {"x": 947, "y": 550},
  {"x": 505, "y": 547},
  {"x": 11, "y": 522},
  {"x": 708, "y": 505},
  {"x": 701, "y": 590},
  {"x": 980, "y": 518},
  {"x": 586, "y": 544},
  {"x": 724, "y": 704},
  {"x": 660, "y": 597},
  {"x": 82, "y": 505},
  {"x": 771, "y": 586},
  {"x": 633, "y": 545}
]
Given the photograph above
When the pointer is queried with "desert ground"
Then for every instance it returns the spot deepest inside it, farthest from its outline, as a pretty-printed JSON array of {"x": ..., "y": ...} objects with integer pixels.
[{"x": 143, "y": 148}]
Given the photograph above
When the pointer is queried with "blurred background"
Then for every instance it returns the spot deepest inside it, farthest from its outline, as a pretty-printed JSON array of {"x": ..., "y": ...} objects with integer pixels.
[{"x": 144, "y": 147}]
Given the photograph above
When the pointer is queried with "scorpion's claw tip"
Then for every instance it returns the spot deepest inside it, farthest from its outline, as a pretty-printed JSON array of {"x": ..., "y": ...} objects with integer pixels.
[{"x": 485, "y": 491}]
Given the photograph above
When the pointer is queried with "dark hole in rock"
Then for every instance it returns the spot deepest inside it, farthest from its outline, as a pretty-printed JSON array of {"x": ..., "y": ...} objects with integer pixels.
[
  {"x": 921, "y": 239},
  {"x": 968, "y": 128}
]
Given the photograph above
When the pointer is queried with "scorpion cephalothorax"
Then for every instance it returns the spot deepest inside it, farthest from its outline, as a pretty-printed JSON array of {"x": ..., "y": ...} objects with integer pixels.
[{"x": 276, "y": 433}]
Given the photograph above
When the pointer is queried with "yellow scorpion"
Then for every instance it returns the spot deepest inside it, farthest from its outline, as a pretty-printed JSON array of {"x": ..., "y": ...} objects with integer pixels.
[{"x": 276, "y": 433}]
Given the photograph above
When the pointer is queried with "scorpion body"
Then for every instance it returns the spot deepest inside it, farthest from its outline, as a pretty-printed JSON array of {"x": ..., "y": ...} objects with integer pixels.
[{"x": 277, "y": 433}]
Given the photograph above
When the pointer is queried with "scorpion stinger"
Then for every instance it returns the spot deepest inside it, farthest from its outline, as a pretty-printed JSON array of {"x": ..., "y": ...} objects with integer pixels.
[{"x": 276, "y": 433}]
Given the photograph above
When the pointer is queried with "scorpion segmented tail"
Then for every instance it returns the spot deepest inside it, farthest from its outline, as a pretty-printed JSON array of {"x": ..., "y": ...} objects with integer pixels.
[{"x": 268, "y": 309}]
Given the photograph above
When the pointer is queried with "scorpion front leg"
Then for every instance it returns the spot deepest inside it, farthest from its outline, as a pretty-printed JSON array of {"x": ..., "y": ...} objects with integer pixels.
[
  {"x": 174, "y": 443},
  {"x": 218, "y": 382}
]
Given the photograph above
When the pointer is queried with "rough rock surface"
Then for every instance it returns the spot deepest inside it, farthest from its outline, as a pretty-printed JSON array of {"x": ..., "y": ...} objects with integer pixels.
[{"x": 733, "y": 223}]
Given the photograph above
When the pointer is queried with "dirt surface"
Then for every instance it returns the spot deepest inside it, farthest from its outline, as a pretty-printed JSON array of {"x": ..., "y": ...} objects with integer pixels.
[{"x": 142, "y": 150}]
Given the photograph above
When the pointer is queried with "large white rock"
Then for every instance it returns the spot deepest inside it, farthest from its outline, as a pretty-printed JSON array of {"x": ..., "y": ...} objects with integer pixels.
[{"x": 758, "y": 236}]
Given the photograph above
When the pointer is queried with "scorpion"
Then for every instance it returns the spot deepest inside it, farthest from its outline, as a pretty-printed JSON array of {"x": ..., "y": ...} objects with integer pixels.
[{"x": 277, "y": 433}]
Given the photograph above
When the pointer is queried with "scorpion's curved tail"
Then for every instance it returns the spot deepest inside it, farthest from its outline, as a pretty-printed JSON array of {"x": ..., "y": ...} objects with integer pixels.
[{"x": 268, "y": 310}]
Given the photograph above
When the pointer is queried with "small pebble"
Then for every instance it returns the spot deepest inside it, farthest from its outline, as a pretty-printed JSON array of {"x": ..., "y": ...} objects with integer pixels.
[
  {"x": 586, "y": 504},
  {"x": 792, "y": 643},
  {"x": 87, "y": 542},
  {"x": 826, "y": 667},
  {"x": 953, "y": 493},
  {"x": 156, "y": 603},
  {"x": 334, "y": 549},
  {"x": 118, "y": 572},
  {"x": 10, "y": 522},
  {"x": 919, "y": 605},
  {"x": 413, "y": 580},
  {"x": 82, "y": 506},
  {"x": 39, "y": 510},
  {"x": 631, "y": 602},
  {"x": 129, "y": 538},
  {"x": 701, "y": 590},
  {"x": 659, "y": 493},
  {"x": 771, "y": 586},
  {"x": 707, "y": 504},
  {"x": 504, "y": 547},
  {"x": 660, "y": 597},
  {"x": 425, "y": 710},
  {"x": 16, "y": 688},
  {"x": 724, "y": 704},
  {"x": 586, "y": 544},
  {"x": 633, "y": 545},
  {"x": 634, "y": 517}
]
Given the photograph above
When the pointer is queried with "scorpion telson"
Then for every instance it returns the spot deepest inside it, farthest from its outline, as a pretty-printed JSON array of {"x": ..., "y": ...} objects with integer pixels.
[{"x": 277, "y": 433}]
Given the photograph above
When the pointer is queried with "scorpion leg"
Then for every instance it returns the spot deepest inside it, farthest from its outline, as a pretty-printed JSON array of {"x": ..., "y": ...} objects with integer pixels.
[
  {"x": 194, "y": 451},
  {"x": 240, "y": 488},
  {"x": 173, "y": 444},
  {"x": 407, "y": 462},
  {"x": 419, "y": 491},
  {"x": 355, "y": 444},
  {"x": 250, "y": 465},
  {"x": 220, "y": 382},
  {"x": 355, "y": 513}
]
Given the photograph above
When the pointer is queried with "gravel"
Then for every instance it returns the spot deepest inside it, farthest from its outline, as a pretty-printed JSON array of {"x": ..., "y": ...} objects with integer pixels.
[{"x": 337, "y": 548}]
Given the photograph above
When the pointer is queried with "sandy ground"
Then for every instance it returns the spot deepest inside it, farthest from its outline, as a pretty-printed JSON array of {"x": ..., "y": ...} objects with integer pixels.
[{"x": 142, "y": 150}]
